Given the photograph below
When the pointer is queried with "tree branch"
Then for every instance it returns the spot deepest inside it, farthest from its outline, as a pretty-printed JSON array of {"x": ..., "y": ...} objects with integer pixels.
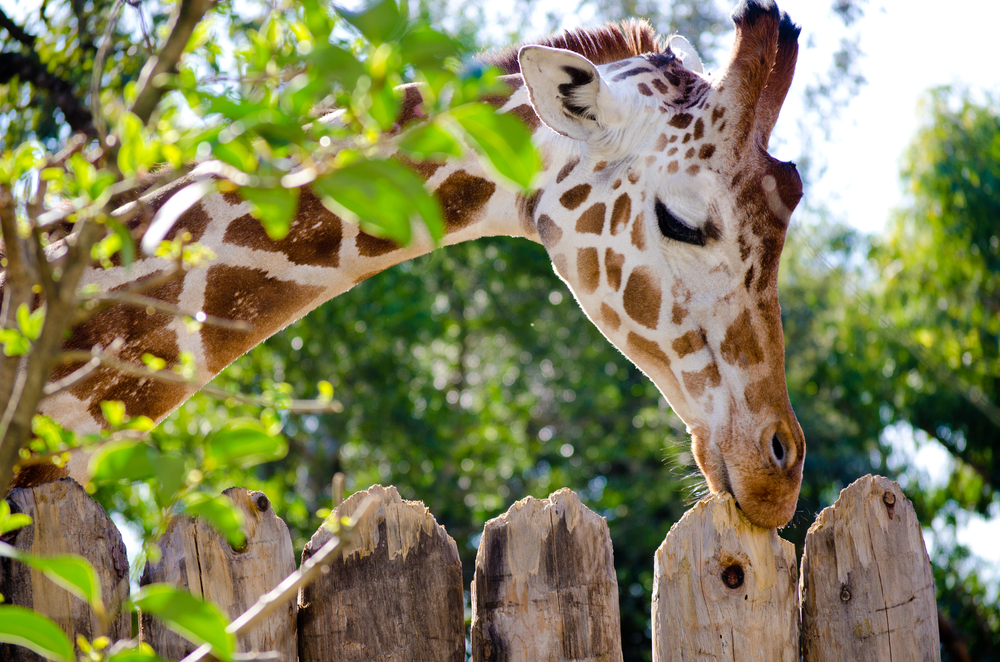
[
  {"x": 30, "y": 70},
  {"x": 189, "y": 14},
  {"x": 15, "y": 31}
]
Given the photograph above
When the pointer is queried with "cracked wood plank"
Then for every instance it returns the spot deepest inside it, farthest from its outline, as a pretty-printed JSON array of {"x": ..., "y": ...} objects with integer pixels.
[
  {"x": 545, "y": 587},
  {"x": 724, "y": 589},
  {"x": 195, "y": 556},
  {"x": 66, "y": 521},
  {"x": 867, "y": 586},
  {"x": 394, "y": 595}
]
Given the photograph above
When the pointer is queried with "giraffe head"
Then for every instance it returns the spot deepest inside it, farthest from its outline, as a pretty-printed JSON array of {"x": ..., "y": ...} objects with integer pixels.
[{"x": 666, "y": 216}]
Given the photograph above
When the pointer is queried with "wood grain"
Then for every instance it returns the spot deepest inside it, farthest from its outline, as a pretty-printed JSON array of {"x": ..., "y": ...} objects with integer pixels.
[
  {"x": 545, "y": 586},
  {"x": 724, "y": 589},
  {"x": 867, "y": 586},
  {"x": 200, "y": 559},
  {"x": 395, "y": 595},
  {"x": 66, "y": 521}
]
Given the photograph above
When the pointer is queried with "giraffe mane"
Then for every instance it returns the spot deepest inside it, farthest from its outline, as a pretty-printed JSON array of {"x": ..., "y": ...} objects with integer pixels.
[{"x": 603, "y": 45}]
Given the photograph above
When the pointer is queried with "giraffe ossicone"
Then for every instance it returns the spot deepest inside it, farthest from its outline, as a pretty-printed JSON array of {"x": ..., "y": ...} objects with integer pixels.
[{"x": 659, "y": 207}]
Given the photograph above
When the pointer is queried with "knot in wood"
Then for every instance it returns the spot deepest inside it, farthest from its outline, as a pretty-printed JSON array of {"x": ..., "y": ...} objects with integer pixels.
[
  {"x": 732, "y": 576},
  {"x": 845, "y": 595},
  {"x": 889, "y": 499},
  {"x": 261, "y": 501},
  {"x": 487, "y": 651}
]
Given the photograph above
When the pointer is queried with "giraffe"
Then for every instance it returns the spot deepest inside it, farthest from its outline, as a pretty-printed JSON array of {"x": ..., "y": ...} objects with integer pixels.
[{"x": 658, "y": 205}]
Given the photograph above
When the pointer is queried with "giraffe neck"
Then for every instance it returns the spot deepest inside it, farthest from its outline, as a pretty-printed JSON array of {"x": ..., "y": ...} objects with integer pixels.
[{"x": 268, "y": 284}]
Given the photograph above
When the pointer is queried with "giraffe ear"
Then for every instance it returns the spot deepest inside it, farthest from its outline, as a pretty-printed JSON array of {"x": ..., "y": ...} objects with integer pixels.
[
  {"x": 566, "y": 91},
  {"x": 686, "y": 53}
]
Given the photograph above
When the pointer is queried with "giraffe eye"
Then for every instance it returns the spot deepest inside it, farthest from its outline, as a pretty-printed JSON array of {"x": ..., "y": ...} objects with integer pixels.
[{"x": 676, "y": 229}]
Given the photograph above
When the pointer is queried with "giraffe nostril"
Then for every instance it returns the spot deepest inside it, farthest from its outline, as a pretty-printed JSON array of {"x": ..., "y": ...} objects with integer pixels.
[{"x": 778, "y": 449}]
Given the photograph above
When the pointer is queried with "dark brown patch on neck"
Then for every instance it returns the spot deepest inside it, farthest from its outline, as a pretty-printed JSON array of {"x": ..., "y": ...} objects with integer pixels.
[
  {"x": 592, "y": 220},
  {"x": 566, "y": 169},
  {"x": 740, "y": 346},
  {"x": 371, "y": 246},
  {"x": 462, "y": 198},
  {"x": 575, "y": 196},
  {"x": 314, "y": 237}
]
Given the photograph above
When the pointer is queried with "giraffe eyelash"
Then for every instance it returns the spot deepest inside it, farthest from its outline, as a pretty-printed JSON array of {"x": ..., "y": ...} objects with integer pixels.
[{"x": 674, "y": 228}]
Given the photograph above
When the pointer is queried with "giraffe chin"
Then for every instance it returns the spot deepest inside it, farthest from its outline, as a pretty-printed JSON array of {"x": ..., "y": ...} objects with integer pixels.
[{"x": 767, "y": 498}]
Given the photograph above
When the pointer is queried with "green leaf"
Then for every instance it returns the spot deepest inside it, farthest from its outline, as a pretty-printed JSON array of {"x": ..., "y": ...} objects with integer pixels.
[
  {"x": 171, "y": 470},
  {"x": 382, "y": 197},
  {"x": 243, "y": 444},
  {"x": 502, "y": 139},
  {"x": 14, "y": 344},
  {"x": 30, "y": 323},
  {"x": 69, "y": 571},
  {"x": 141, "y": 653},
  {"x": 338, "y": 64},
  {"x": 123, "y": 460},
  {"x": 9, "y": 522},
  {"x": 114, "y": 412},
  {"x": 273, "y": 207},
  {"x": 430, "y": 141},
  {"x": 192, "y": 618},
  {"x": 236, "y": 154},
  {"x": 221, "y": 513},
  {"x": 127, "y": 250},
  {"x": 23, "y": 627},
  {"x": 378, "y": 20},
  {"x": 425, "y": 48}
]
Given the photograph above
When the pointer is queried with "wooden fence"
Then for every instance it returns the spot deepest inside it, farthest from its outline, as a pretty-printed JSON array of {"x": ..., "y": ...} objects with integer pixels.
[{"x": 544, "y": 590}]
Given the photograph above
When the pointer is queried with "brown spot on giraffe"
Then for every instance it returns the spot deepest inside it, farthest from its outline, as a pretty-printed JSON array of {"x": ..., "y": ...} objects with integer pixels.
[
  {"x": 592, "y": 220},
  {"x": 688, "y": 154},
  {"x": 693, "y": 169},
  {"x": 661, "y": 143},
  {"x": 642, "y": 297},
  {"x": 548, "y": 231},
  {"x": 314, "y": 237},
  {"x": 561, "y": 265},
  {"x": 740, "y": 346},
  {"x": 660, "y": 86},
  {"x": 566, "y": 169},
  {"x": 463, "y": 197},
  {"x": 621, "y": 213},
  {"x": 650, "y": 160},
  {"x": 639, "y": 231},
  {"x": 644, "y": 90},
  {"x": 601, "y": 165},
  {"x": 613, "y": 263},
  {"x": 673, "y": 167},
  {"x": 748, "y": 278},
  {"x": 248, "y": 295},
  {"x": 575, "y": 196},
  {"x": 681, "y": 120},
  {"x": 671, "y": 151},
  {"x": 636, "y": 343},
  {"x": 699, "y": 128},
  {"x": 372, "y": 246},
  {"x": 690, "y": 342},
  {"x": 678, "y": 313},
  {"x": 673, "y": 138},
  {"x": 717, "y": 114},
  {"x": 634, "y": 176},
  {"x": 588, "y": 269},
  {"x": 706, "y": 151},
  {"x": 617, "y": 183},
  {"x": 527, "y": 115},
  {"x": 615, "y": 66},
  {"x": 610, "y": 317},
  {"x": 745, "y": 247},
  {"x": 696, "y": 382},
  {"x": 526, "y": 206},
  {"x": 687, "y": 138}
]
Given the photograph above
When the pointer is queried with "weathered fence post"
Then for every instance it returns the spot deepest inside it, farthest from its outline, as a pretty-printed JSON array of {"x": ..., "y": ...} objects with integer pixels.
[
  {"x": 545, "y": 585},
  {"x": 198, "y": 558},
  {"x": 724, "y": 589},
  {"x": 394, "y": 595},
  {"x": 66, "y": 521},
  {"x": 867, "y": 586}
]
